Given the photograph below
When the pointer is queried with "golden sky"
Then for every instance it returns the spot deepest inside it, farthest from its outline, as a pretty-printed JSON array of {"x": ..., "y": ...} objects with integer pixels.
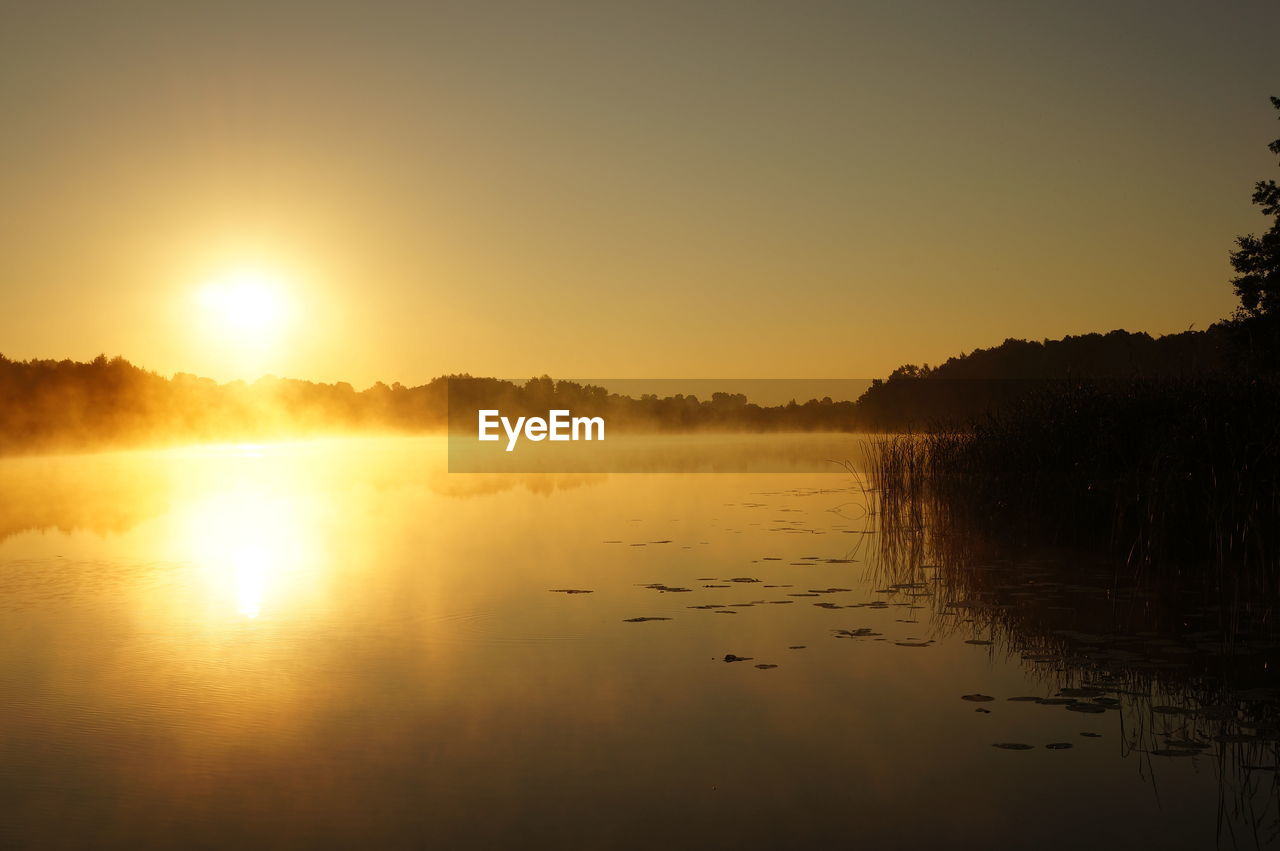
[{"x": 667, "y": 189}]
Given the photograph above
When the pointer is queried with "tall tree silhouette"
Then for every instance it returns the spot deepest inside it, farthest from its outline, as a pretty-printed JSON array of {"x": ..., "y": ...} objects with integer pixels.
[{"x": 1257, "y": 258}]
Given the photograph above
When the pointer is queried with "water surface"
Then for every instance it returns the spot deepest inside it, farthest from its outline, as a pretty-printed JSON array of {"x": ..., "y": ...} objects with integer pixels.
[{"x": 340, "y": 644}]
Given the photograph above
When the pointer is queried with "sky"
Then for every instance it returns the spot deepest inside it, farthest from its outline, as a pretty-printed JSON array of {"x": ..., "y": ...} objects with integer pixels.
[{"x": 392, "y": 191}]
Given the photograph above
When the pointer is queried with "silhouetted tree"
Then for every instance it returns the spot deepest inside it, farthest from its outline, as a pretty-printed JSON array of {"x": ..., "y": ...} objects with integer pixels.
[{"x": 1257, "y": 258}]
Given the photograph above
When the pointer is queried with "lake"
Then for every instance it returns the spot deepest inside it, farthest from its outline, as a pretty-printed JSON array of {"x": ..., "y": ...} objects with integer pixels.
[{"x": 340, "y": 644}]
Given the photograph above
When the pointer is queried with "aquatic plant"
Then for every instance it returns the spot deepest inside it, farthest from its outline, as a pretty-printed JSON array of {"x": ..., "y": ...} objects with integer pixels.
[{"x": 1175, "y": 475}]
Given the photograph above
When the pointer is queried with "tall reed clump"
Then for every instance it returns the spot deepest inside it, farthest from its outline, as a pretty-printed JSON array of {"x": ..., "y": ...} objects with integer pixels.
[{"x": 1179, "y": 475}]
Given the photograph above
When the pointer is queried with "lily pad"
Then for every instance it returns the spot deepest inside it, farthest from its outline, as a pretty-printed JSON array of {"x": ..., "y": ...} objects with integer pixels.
[
  {"x": 1012, "y": 746},
  {"x": 643, "y": 620},
  {"x": 977, "y": 698},
  {"x": 1185, "y": 743}
]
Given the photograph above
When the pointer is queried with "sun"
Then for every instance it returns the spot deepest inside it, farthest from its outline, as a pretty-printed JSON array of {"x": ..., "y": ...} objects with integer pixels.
[{"x": 248, "y": 303}]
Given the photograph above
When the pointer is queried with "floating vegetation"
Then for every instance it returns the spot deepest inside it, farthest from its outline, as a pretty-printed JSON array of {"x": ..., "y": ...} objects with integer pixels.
[
  {"x": 571, "y": 591},
  {"x": 643, "y": 620},
  {"x": 1185, "y": 743},
  {"x": 1131, "y": 646}
]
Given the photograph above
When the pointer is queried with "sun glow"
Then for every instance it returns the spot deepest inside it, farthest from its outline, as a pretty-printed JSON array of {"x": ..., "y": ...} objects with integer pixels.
[
  {"x": 249, "y": 304},
  {"x": 252, "y": 539}
]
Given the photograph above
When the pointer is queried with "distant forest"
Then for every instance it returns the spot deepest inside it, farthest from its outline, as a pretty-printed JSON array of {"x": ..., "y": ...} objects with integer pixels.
[{"x": 48, "y": 405}]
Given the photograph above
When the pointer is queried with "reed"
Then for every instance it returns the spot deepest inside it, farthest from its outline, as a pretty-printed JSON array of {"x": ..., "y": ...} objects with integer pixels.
[{"x": 1176, "y": 475}]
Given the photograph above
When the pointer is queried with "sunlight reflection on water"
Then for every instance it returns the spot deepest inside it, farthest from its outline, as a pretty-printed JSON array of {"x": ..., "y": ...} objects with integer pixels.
[{"x": 337, "y": 643}]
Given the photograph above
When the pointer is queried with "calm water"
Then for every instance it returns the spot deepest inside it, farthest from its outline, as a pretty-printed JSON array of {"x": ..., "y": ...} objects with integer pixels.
[{"x": 340, "y": 644}]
